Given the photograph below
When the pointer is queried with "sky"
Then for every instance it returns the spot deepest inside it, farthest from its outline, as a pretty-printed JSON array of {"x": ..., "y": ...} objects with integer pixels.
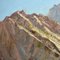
[{"x": 7, "y": 7}]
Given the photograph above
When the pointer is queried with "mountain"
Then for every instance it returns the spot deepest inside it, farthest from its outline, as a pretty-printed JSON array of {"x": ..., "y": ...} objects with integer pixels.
[
  {"x": 29, "y": 37},
  {"x": 54, "y": 13}
]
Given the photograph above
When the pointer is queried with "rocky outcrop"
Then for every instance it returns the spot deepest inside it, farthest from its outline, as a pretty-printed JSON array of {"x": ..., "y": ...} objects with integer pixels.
[
  {"x": 29, "y": 37},
  {"x": 54, "y": 13}
]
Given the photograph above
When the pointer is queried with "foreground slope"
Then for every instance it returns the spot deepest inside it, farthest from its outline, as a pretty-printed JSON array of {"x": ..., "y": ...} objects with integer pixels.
[{"x": 29, "y": 37}]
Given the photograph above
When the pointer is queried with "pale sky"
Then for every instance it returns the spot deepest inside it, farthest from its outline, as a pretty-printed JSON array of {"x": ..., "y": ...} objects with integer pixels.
[{"x": 7, "y": 7}]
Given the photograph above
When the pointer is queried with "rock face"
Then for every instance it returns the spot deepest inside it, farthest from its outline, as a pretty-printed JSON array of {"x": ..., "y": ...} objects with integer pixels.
[
  {"x": 29, "y": 37},
  {"x": 54, "y": 13}
]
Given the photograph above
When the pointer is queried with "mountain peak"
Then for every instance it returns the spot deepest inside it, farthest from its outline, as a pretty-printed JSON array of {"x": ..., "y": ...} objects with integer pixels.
[
  {"x": 54, "y": 13},
  {"x": 26, "y": 36}
]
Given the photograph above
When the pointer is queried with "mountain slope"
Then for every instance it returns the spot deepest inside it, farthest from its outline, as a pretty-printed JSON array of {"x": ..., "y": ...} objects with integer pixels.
[{"x": 29, "y": 37}]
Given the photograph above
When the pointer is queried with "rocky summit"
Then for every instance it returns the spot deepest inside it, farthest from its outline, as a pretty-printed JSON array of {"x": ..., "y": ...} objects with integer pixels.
[
  {"x": 54, "y": 13},
  {"x": 29, "y": 37}
]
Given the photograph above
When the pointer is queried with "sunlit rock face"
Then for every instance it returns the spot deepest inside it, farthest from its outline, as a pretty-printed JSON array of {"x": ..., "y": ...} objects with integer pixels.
[
  {"x": 54, "y": 13},
  {"x": 29, "y": 37}
]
